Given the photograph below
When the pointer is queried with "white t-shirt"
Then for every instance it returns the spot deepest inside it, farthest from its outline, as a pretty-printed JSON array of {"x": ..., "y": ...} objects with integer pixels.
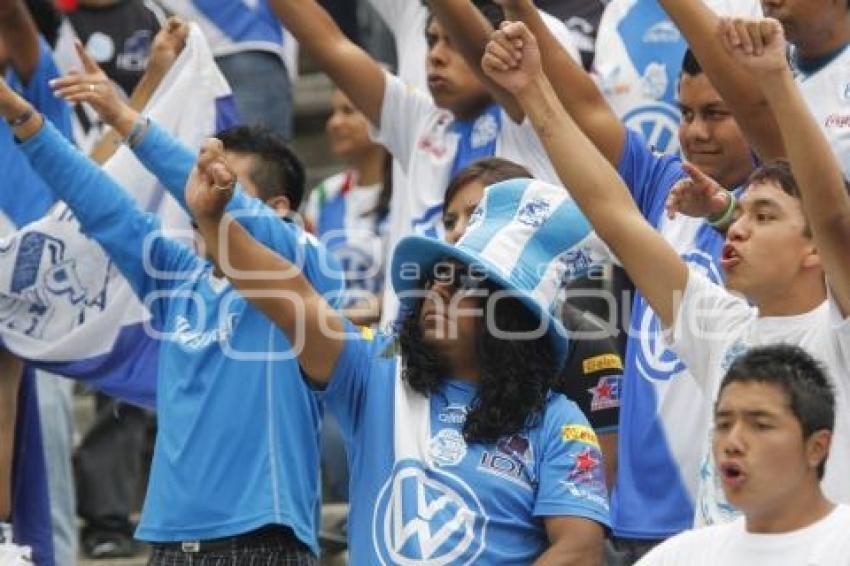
[
  {"x": 407, "y": 20},
  {"x": 827, "y": 94},
  {"x": 824, "y": 543},
  {"x": 714, "y": 326}
]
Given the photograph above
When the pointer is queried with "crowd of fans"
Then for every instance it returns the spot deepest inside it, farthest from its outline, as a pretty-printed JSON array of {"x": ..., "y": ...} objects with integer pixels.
[{"x": 578, "y": 295}]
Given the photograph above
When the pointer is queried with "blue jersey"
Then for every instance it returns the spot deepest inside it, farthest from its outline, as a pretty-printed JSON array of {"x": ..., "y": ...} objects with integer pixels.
[
  {"x": 662, "y": 410},
  {"x": 24, "y": 196},
  {"x": 482, "y": 503},
  {"x": 237, "y": 446},
  {"x": 344, "y": 217}
]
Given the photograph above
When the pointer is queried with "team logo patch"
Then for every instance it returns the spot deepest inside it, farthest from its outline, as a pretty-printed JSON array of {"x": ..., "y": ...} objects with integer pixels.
[
  {"x": 606, "y": 393},
  {"x": 513, "y": 460},
  {"x": 453, "y": 414},
  {"x": 484, "y": 131},
  {"x": 427, "y": 517},
  {"x": 447, "y": 447},
  {"x": 655, "y": 361},
  {"x": 601, "y": 363},
  {"x": 579, "y": 433},
  {"x": 534, "y": 212},
  {"x": 659, "y": 124},
  {"x": 583, "y": 479},
  {"x": 662, "y": 32}
]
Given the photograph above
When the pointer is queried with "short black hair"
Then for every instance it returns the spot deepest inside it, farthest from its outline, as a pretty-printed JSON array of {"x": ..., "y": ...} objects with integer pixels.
[
  {"x": 801, "y": 378},
  {"x": 277, "y": 170},
  {"x": 492, "y": 11},
  {"x": 690, "y": 65}
]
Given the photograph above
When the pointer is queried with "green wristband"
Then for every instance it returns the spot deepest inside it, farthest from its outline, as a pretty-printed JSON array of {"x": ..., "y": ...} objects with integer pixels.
[{"x": 722, "y": 219}]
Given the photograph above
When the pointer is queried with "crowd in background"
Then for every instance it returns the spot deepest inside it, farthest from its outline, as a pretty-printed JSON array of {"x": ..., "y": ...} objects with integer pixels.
[{"x": 658, "y": 184}]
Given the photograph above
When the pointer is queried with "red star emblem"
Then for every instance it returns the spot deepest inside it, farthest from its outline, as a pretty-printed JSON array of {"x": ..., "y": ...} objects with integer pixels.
[
  {"x": 585, "y": 462},
  {"x": 604, "y": 390}
]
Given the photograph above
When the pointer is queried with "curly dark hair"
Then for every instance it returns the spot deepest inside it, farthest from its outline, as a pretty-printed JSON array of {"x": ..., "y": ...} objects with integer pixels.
[{"x": 515, "y": 374}]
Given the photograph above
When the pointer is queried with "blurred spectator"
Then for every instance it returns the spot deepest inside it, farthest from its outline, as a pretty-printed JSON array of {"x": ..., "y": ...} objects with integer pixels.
[{"x": 255, "y": 54}]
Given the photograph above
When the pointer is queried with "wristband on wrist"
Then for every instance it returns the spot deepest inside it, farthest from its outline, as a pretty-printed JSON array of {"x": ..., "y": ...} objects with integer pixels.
[
  {"x": 138, "y": 131},
  {"x": 722, "y": 219},
  {"x": 22, "y": 119}
]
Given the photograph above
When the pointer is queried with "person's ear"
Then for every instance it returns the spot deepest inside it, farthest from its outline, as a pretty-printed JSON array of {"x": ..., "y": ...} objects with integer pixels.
[
  {"x": 812, "y": 257},
  {"x": 817, "y": 447},
  {"x": 281, "y": 205}
]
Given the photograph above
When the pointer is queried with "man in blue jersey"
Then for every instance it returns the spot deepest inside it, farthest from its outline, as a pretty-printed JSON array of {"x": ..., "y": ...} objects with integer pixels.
[
  {"x": 224, "y": 481},
  {"x": 459, "y": 452}
]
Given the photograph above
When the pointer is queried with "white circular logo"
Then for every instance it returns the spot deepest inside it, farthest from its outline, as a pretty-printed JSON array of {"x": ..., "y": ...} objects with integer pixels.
[
  {"x": 447, "y": 447},
  {"x": 427, "y": 517},
  {"x": 658, "y": 123},
  {"x": 101, "y": 47}
]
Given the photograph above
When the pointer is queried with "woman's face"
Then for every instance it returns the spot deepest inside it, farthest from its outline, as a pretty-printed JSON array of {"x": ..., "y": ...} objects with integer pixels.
[
  {"x": 347, "y": 128},
  {"x": 459, "y": 209}
]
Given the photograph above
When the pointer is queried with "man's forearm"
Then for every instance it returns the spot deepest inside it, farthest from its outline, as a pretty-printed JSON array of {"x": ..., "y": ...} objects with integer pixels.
[
  {"x": 700, "y": 25},
  {"x": 576, "y": 90}
]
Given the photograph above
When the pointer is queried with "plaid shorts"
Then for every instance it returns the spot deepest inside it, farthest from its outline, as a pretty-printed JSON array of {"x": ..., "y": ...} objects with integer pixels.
[{"x": 266, "y": 547}]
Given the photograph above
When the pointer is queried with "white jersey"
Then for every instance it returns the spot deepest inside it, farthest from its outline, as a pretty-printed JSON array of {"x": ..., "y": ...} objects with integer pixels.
[
  {"x": 823, "y": 543},
  {"x": 424, "y": 140},
  {"x": 639, "y": 54},
  {"x": 713, "y": 327},
  {"x": 827, "y": 94},
  {"x": 407, "y": 20}
]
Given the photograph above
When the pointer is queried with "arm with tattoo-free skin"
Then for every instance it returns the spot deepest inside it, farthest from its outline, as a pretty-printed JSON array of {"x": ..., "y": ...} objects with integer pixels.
[
  {"x": 652, "y": 264},
  {"x": 759, "y": 46}
]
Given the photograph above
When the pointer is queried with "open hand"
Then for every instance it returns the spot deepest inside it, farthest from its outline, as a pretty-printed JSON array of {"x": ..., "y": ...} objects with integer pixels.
[
  {"x": 758, "y": 44},
  {"x": 512, "y": 57},
  {"x": 91, "y": 86},
  {"x": 211, "y": 183},
  {"x": 699, "y": 196}
]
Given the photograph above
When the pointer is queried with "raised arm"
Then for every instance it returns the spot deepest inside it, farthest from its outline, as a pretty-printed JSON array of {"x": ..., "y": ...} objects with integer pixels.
[
  {"x": 106, "y": 213},
  {"x": 653, "y": 265},
  {"x": 20, "y": 36},
  {"x": 470, "y": 31},
  {"x": 760, "y": 46},
  {"x": 349, "y": 67},
  {"x": 274, "y": 285},
  {"x": 575, "y": 89},
  {"x": 700, "y": 26},
  {"x": 167, "y": 46}
]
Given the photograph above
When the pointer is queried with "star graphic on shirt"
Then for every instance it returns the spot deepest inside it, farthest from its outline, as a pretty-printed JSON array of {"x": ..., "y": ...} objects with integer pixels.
[
  {"x": 604, "y": 390},
  {"x": 585, "y": 462}
]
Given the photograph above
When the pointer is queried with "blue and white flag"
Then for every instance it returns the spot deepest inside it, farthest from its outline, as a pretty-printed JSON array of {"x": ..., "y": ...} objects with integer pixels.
[{"x": 63, "y": 304}]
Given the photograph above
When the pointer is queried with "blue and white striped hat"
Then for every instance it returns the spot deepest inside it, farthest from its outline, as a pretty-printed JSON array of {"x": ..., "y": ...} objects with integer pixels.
[{"x": 525, "y": 235}]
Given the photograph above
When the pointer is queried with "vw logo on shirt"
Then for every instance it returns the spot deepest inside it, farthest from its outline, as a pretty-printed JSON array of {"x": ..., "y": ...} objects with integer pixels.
[{"x": 427, "y": 516}]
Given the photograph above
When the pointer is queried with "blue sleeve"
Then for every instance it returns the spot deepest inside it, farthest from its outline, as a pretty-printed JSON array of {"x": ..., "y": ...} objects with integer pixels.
[
  {"x": 345, "y": 394},
  {"x": 168, "y": 159},
  {"x": 572, "y": 477},
  {"x": 648, "y": 176},
  {"x": 106, "y": 213},
  {"x": 38, "y": 92},
  {"x": 171, "y": 162}
]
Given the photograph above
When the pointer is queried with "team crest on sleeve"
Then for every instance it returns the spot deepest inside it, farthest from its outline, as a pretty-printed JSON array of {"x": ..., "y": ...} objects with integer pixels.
[
  {"x": 427, "y": 517},
  {"x": 606, "y": 393},
  {"x": 584, "y": 476}
]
